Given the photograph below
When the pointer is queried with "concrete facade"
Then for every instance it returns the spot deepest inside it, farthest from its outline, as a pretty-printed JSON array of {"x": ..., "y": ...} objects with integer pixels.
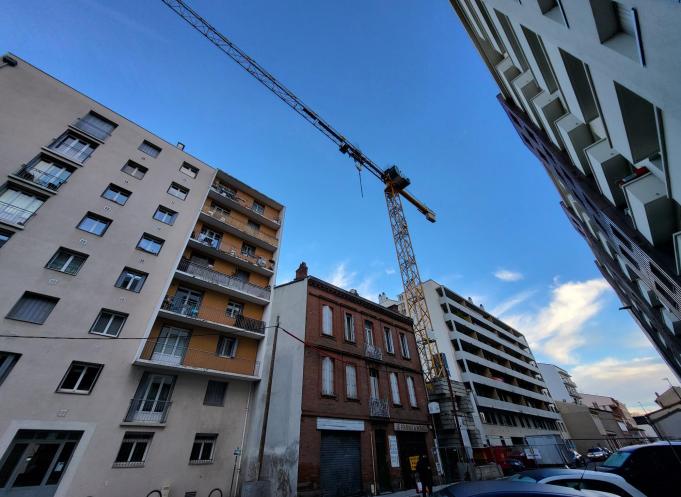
[
  {"x": 559, "y": 383},
  {"x": 68, "y": 167},
  {"x": 590, "y": 87}
]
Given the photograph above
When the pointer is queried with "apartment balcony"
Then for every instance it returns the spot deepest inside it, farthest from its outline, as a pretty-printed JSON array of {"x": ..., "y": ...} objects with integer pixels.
[
  {"x": 30, "y": 173},
  {"x": 206, "y": 277},
  {"x": 225, "y": 222},
  {"x": 527, "y": 88},
  {"x": 671, "y": 322},
  {"x": 195, "y": 314},
  {"x": 472, "y": 358},
  {"x": 149, "y": 410},
  {"x": 517, "y": 408},
  {"x": 91, "y": 129},
  {"x": 373, "y": 352},
  {"x": 609, "y": 168},
  {"x": 650, "y": 208},
  {"x": 236, "y": 203},
  {"x": 231, "y": 254},
  {"x": 184, "y": 358},
  {"x": 378, "y": 408},
  {"x": 502, "y": 341},
  {"x": 493, "y": 351},
  {"x": 499, "y": 383},
  {"x": 549, "y": 109},
  {"x": 576, "y": 136},
  {"x": 11, "y": 214}
]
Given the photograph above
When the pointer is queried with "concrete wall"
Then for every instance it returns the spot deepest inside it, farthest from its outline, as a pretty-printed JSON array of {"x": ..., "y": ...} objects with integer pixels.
[{"x": 554, "y": 383}]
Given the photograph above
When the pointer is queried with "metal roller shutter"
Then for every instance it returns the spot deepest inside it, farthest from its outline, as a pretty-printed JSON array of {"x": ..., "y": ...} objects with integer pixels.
[{"x": 340, "y": 469}]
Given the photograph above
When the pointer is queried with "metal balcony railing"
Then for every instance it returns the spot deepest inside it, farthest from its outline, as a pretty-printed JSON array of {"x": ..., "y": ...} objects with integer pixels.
[
  {"x": 233, "y": 252},
  {"x": 203, "y": 313},
  {"x": 241, "y": 226},
  {"x": 92, "y": 129},
  {"x": 46, "y": 180},
  {"x": 15, "y": 215},
  {"x": 378, "y": 408},
  {"x": 148, "y": 411},
  {"x": 235, "y": 198},
  {"x": 373, "y": 352},
  {"x": 205, "y": 273}
]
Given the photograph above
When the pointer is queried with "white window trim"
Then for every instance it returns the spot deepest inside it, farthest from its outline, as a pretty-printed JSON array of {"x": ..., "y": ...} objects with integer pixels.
[
  {"x": 202, "y": 441},
  {"x": 389, "y": 343},
  {"x": 112, "y": 315},
  {"x": 75, "y": 389},
  {"x": 411, "y": 390},
  {"x": 220, "y": 351},
  {"x": 349, "y": 330},
  {"x": 351, "y": 393},
  {"x": 404, "y": 346},
  {"x": 135, "y": 441},
  {"x": 327, "y": 320},
  {"x": 327, "y": 376},
  {"x": 395, "y": 389}
]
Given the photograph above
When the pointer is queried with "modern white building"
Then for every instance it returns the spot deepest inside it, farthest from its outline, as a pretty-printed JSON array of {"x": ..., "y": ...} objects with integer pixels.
[
  {"x": 560, "y": 384},
  {"x": 592, "y": 88}
]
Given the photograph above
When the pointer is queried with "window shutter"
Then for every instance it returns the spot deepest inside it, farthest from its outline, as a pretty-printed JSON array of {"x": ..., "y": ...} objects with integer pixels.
[
  {"x": 33, "y": 308},
  {"x": 395, "y": 389},
  {"x": 327, "y": 320},
  {"x": 327, "y": 376},
  {"x": 351, "y": 381}
]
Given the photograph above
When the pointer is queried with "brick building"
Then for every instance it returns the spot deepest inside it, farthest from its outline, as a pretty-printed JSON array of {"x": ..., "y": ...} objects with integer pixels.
[{"x": 362, "y": 405}]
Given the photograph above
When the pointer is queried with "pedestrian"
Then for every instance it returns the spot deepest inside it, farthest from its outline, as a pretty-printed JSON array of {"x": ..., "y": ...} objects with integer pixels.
[{"x": 425, "y": 475}]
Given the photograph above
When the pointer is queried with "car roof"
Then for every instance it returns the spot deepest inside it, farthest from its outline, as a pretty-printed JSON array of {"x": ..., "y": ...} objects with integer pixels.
[
  {"x": 482, "y": 488},
  {"x": 540, "y": 474},
  {"x": 631, "y": 448}
]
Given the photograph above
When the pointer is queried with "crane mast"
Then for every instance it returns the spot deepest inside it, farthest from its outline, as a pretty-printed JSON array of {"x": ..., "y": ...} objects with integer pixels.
[{"x": 395, "y": 184}]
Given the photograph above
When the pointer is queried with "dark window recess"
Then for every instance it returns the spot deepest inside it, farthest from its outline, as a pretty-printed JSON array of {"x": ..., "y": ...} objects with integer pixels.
[
  {"x": 80, "y": 378},
  {"x": 253, "y": 225},
  {"x": 620, "y": 237},
  {"x": 116, "y": 194},
  {"x": 4, "y": 237},
  {"x": 150, "y": 244},
  {"x": 258, "y": 207},
  {"x": 108, "y": 323},
  {"x": 203, "y": 447},
  {"x": 94, "y": 223},
  {"x": 189, "y": 170},
  {"x": 133, "y": 449},
  {"x": 662, "y": 277},
  {"x": 215, "y": 393},
  {"x": 248, "y": 249},
  {"x": 95, "y": 125},
  {"x": 131, "y": 280},
  {"x": 241, "y": 275},
  {"x": 134, "y": 170},
  {"x": 663, "y": 291},
  {"x": 630, "y": 259},
  {"x": 226, "y": 346},
  {"x": 67, "y": 261},
  {"x": 7, "y": 362},
  {"x": 149, "y": 148},
  {"x": 33, "y": 308},
  {"x": 73, "y": 147},
  {"x": 165, "y": 215}
]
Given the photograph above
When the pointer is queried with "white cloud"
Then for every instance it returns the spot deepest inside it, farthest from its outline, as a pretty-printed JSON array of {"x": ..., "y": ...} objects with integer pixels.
[
  {"x": 506, "y": 305},
  {"x": 508, "y": 275},
  {"x": 556, "y": 329},
  {"x": 346, "y": 279},
  {"x": 631, "y": 382},
  {"x": 389, "y": 271},
  {"x": 340, "y": 276}
]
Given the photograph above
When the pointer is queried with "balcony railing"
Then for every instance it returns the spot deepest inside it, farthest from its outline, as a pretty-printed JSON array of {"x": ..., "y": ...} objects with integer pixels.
[
  {"x": 233, "y": 252},
  {"x": 373, "y": 352},
  {"x": 15, "y": 215},
  {"x": 92, "y": 129},
  {"x": 148, "y": 411},
  {"x": 235, "y": 198},
  {"x": 241, "y": 226},
  {"x": 378, "y": 408},
  {"x": 46, "y": 180},
  {"x": 205, "y": 273},
  {"x": 220, "y": 316}
]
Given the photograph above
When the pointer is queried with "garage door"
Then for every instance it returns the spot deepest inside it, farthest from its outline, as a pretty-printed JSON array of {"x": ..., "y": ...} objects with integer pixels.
[{"x": 340, "y": 469}]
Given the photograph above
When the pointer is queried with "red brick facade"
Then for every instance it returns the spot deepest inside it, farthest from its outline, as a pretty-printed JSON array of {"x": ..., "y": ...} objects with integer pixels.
[{"x": 335, "y": 345}]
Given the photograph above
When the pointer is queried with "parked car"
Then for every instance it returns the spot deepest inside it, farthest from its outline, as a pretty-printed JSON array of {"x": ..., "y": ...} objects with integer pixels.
[
  {"x": 578, "y": 460},
  {"x": 597, "y": 454},
  {"x": 511, "y": 466},
  {"x": 505, "y": 488},
  {"x": 655, "y": 469},
  {"x": 580, "y": 479}
]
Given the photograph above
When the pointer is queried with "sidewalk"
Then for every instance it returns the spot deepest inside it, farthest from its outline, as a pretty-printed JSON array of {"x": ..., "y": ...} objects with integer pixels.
[{"x": 412, "y": 492}]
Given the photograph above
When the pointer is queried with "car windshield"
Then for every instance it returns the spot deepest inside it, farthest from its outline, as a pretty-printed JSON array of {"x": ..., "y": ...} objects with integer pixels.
[
  {"x": 525, "y": 478},
  {"x": 617, "y": 459}
]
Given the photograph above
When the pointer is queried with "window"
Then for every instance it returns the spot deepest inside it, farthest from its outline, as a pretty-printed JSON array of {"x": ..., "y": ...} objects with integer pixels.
[
  {"x": 134, "y": 170},
  {"x": 215, "y": 393},
  {"x": 203, "y": 448},
  {"x": 108, "y": 323},
  {"x": 72, "y": 147},
  {"x": 350, "y": 381},
  {"x": 327, "y": 320},
  {"x": 17, "y": 206},
  {"x": 225, "y": 190},
  {"x": 369, "y": 332},
  {"x": 404, "y": 346},
  {"x": 234, "y": 309},
  {"x": 210, "y": 238},
  {"x": 33, "y": 308},
  {"x": 218, "y": 209},
  {"x": 349, "y": 327},
  {"x": 131, "y": 280},
  {"x": 95, "y": 125},
  {"x": 327, "y": 376},
  {"x": 45, "y": 172},
  {"x": 7, "y": 362},
  {"x": 253, "y": 225},
  {"x": 165, "y": 215},
  {"x": 258, "y": 207},
  {"x": 66, "y": 261},
  {"x": 226, "y": 346},
  {"x": 178, "y": 191},
  {"x": 640, "y": 123},
  {"x": 189, "y": 170},
  {"x": 116, "y": 194},
  {"x": 150, "y": 244},
  {"x": 388, "y": 336},
  {"x": 373, "y": 384},
  {"x": 247, "y": 249},
  {"x": 4, "y": 237},
  {"x": 617, "y": 27},
  {"x": 149, "y": 148},
  {"x": 133, "y": 450},
  {"x": 80, "y": 378},
  {"x": 395, "y": 389},
  {"x": 411, "y": 391},
  {"x": 94, "y": 223}
]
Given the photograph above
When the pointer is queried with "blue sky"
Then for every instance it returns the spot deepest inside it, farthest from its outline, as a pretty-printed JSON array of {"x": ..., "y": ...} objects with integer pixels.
[{"x": 402, "y": 81}]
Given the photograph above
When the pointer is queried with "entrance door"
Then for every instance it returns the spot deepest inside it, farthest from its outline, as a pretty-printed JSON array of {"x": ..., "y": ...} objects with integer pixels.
[
  {"x": 152, "y": 404},
  {"x": 340, "y": 472},
  {"x": 187, "y": 301},
  {"x": 411, "y": 447},
  {"x": 35, "y": 462},
  {"x": 171, "y": 345},
  {"x": 382, "y": 461}
]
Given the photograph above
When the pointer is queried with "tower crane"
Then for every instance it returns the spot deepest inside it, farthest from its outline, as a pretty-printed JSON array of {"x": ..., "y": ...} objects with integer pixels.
[{"x": 395, "y": 189}]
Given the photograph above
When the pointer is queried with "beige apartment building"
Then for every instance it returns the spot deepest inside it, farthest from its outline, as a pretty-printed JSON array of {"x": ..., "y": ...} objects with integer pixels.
[{"x": 137, "y": 280}]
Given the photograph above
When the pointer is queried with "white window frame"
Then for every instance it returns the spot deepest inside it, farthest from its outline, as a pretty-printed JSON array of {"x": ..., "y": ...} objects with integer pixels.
[
  {"x": 388, "y": 336},
  {"x": 120, "y": 195},
  {"x": 165, "y": 215},
  {"x": 369, "y": 332},
  {"x": 395, "y": 389},
  {"x": 147, "y": 239},
  {"x": 221, "y": 348},
  {"x": 109, "y": 321},
  {"x": 135, "y": 277},
  {"x": 75, "y": 388},
  {"x": 134, "y": 170},
  {"x": 130, "y": 437},
  {"x": 327, "y": 376},
  {"x": 92, "y": 217},
  {"x": 231, "y": 309},
  {"x": 176, "y": 191},
  {"x": 411, "y": 391},
  {"x": 404, "y": 345},
  {"x": 189, "y": 170},
  {"x": 202, "y": 439},
  {"x": 77, "y": 150},
  {"x": 349, "y": 327},
  {"x": 351, "y": 381},
  {"x": 71, "y": 256},
  {"x": 327, "y": 320}
]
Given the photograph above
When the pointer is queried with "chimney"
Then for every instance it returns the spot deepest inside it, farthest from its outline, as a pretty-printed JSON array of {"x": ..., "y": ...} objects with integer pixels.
[
  {"x": 180, "y": 145},
  {"x": 354, "y": 291},
  {"x": 301, "y": 272}
]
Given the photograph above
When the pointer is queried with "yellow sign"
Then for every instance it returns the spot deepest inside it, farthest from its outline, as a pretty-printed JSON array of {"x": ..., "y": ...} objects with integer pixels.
[{"x": 413, "y": 461}]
